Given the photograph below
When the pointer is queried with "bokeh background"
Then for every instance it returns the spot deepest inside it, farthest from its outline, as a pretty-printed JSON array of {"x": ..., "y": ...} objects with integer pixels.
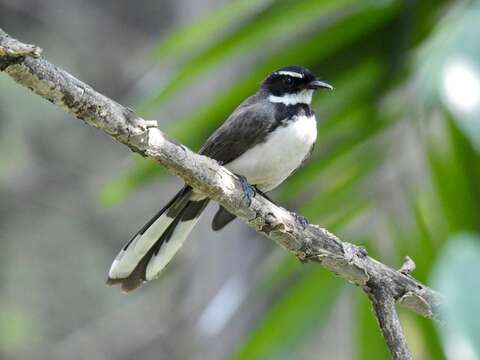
[{"x": 396, "y": 169}]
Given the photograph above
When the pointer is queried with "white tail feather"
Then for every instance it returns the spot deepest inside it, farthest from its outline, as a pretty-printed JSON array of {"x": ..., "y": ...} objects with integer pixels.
[
  {"x": 169, "y": 249},
  {"x": 127, "y": 260}
]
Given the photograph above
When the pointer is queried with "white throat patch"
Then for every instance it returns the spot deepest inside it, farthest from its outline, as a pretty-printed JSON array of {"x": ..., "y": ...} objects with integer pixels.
[{"x": 302, "y": 97}]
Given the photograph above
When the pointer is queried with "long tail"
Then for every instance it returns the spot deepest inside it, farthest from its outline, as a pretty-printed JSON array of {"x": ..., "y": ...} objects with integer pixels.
[{"x": 150, "y": 250}]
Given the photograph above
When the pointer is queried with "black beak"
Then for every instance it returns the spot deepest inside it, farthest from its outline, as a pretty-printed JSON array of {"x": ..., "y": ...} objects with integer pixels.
[{"x": 317, "y": 84}]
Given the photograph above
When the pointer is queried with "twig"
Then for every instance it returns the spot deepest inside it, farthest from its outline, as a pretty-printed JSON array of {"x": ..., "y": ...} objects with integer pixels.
[
  {"x": 11, "y": 48},
  {"x": 386, "y": 313},
  {"x": 408, "y": 266},
  {"x": 308, "y": 243}
]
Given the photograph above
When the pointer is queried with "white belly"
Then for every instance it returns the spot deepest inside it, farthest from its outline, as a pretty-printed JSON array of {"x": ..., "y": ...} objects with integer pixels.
[{"x": 268, "y": 164}]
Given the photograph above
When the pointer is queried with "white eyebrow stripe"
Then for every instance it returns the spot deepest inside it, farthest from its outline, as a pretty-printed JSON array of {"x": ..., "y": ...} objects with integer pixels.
[{"x": 290, "y": 73}]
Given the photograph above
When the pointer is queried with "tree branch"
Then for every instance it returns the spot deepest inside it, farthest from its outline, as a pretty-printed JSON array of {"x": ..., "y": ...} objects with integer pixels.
[
  {"x": 311, "y": 243},
  {"x": 386, "y": 313},
  {"x": 11, "y": 48}
]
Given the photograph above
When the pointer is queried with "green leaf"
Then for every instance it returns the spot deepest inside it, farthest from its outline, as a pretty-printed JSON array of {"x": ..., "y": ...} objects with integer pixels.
[
  {"x": 288, "y": 324},
  {"x": 455, "y": 169},
  {"x": 456, "y": 277},
  {"x": 431, "y": 338},
  {"x": 276, "y": 23},
  {"x": 206, "y": 31},
  {"x": 418, "y": 241},
  {"x": 342, "y": 201}
]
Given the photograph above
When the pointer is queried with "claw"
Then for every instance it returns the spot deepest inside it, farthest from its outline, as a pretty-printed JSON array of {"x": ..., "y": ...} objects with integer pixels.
[
  {"x": 248, "y": 191},
  {"x": 301, "y": 219}
]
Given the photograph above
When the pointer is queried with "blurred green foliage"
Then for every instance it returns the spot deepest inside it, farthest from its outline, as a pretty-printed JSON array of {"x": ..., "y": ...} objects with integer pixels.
[
  {"x": 460, "y": 260},
  {"x": 303, "y": 309},
  {"x": 390, "y": 130},
  {"x": 14, "y": 327}
]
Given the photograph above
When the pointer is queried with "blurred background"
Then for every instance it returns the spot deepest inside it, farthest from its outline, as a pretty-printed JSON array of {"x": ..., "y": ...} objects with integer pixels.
[{"x": 396, "y": 169}]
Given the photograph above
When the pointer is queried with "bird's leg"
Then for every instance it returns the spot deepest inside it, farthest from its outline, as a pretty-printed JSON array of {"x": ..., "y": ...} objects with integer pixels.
[
  {"x": 248, "y": 191},
  {"x": 302, "y": 219}
]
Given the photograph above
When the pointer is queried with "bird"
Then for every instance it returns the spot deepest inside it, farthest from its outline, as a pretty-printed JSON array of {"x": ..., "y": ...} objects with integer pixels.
[{"x": 264, "y": 140}]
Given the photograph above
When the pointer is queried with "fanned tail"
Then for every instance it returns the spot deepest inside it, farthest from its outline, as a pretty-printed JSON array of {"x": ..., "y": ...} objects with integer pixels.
[{"x": 151, "y": 249}]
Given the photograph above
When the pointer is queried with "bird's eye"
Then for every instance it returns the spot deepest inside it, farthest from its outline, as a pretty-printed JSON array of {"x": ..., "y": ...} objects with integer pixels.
[{"x": 288, "y": 81}]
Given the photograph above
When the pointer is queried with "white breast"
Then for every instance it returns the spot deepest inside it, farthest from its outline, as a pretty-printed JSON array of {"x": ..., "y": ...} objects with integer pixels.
[{"x": 268, "y": 164}]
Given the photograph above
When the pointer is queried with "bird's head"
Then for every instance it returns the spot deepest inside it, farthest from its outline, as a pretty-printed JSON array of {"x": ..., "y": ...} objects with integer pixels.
[{"x": 292, "y": 85}]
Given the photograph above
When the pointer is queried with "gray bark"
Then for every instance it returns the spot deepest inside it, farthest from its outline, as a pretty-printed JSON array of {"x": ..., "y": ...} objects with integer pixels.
[
  {"x": 387, "y": 317},
  {"x": 383, "y": 284}
]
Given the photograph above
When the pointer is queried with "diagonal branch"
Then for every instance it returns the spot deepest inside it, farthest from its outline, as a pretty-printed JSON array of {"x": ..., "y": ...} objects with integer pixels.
[
  {"x": 386, "y": 313},
  {"x": 309, "y": 243}
]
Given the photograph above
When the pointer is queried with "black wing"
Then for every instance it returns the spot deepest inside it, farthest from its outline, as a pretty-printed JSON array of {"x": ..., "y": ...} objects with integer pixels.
[{"x": 247, "y": 126}]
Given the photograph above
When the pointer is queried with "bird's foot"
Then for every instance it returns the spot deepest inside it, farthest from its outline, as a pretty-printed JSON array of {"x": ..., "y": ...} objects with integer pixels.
[
  {"x": 249, "y": 192},
  {"x": 301, "y": 219}
]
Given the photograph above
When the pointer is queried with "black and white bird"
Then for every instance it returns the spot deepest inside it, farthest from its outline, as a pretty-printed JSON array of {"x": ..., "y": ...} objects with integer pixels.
[{"x": 263, "y": 141}]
